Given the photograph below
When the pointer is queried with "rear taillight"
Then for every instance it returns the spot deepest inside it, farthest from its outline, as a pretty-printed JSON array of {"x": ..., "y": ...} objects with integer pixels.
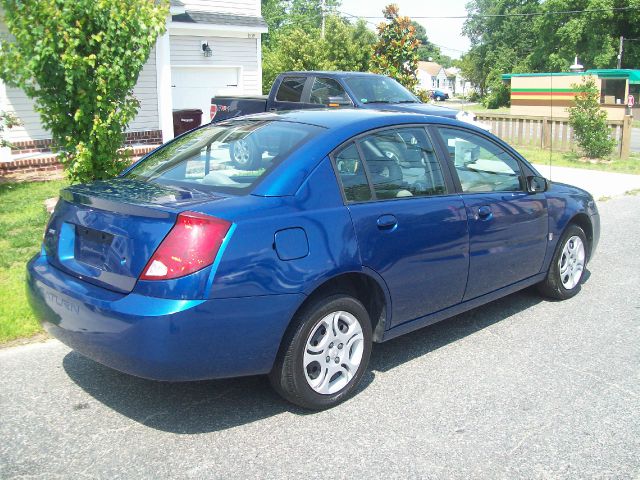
[{"x": 191, "y": 245}]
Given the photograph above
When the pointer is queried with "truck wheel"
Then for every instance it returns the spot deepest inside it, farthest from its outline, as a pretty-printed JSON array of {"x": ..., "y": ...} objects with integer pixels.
[{"x": 244, "y": 154}]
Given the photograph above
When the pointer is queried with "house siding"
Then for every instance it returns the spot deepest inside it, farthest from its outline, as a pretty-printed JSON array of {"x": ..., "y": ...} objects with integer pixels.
[
  {"x": 227, "y": 51},
  {"x": 15, "y": 100},
  {"x": 146, "y": 91},
  {"x": 238, "y": 7}
]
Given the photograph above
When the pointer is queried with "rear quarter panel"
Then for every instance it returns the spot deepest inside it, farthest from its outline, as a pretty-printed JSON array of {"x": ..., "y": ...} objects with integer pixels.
[{"x": 251, "y": 266}]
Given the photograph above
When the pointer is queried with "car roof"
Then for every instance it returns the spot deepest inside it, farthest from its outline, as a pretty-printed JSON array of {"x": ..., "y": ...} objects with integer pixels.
[
  {"x": 351, "y": 118},
  {"x": 338, "y": 126},
  {"x": 332, "y": 73}
]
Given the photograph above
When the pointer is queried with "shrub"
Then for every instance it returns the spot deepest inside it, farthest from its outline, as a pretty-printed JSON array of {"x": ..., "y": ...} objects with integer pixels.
[
  {"x": 79, "y": 60},
  {"x": 589, "y": 121},
  {"x": 7, "y": 120}
]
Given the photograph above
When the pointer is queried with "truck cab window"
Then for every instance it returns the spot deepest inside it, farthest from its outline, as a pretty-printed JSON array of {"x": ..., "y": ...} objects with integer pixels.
[
  {"x": 291, "y": 89},
  {"x": 328, "y": 92}
]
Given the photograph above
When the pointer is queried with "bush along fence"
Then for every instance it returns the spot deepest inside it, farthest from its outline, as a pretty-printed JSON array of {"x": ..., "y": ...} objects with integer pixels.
[{"x": 546, "y": 132}]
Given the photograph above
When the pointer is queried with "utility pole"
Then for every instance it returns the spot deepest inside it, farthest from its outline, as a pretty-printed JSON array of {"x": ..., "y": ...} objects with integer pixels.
[
  {"x": 322, "y": 8},
  {"x": 620, "y": 50}
]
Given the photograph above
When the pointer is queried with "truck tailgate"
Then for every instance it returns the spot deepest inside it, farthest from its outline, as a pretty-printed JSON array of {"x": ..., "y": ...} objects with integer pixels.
[{"x": 223, "y": 108}]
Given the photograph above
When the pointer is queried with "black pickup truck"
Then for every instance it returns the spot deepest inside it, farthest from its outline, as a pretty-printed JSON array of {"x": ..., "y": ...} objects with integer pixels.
[{"x": 300, "y": 90}]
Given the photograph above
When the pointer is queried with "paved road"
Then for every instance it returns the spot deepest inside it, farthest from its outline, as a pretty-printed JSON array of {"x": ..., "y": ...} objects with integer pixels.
[{"x": 521, "y": 388}]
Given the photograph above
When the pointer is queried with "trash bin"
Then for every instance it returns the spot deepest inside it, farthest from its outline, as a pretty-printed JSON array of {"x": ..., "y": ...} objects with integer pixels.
[{"x": 185, "y": 120}]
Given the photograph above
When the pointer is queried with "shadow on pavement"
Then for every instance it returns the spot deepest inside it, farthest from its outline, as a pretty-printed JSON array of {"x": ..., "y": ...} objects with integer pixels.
[{"x": 208, "y": 406}]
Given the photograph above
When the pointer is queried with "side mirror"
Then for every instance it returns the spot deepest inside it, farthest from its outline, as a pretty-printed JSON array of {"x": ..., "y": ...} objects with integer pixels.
[
  {"x": 339, "y": 101},
  {"x": 536, "y": 184}
]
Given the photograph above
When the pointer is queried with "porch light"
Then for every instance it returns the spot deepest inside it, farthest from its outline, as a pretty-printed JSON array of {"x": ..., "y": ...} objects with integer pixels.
[{"x": 206, "y": 50}]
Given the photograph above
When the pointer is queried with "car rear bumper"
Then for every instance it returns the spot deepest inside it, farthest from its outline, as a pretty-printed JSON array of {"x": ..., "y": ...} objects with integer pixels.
[{"x": 156, "y": 338}]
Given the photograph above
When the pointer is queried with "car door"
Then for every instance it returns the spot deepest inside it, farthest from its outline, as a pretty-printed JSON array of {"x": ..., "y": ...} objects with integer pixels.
[
  {"x": 410, "y": 224},
  {"x": 508, "y": 226}
]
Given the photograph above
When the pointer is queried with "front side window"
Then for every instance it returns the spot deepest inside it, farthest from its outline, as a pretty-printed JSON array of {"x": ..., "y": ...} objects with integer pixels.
[
  {"x": 481, "y": 165},
  {"x": 402, "y": 163},
  {"x": 327, "y": 91},
  {"x": 290, "y": 89},
  {"x": 227, "y": 156}
]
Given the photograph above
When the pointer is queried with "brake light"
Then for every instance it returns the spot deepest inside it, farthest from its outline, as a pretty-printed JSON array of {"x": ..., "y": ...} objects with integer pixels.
[
  {"x": 213, "y": 111},
  {"x": 190, "y": 245}
]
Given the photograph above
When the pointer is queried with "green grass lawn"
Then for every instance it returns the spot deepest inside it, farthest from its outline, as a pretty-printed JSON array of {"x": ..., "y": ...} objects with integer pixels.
[
  {"x": 22, "y": 222},
  {"x": 571, "y": 159}
]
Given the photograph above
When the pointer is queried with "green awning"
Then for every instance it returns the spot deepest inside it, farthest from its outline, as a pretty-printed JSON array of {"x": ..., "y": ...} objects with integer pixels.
[{"x": 632, "y": 75}]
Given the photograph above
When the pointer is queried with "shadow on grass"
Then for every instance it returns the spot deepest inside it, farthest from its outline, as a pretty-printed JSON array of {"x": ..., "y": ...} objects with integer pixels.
[{"x": 208, "y": 406}]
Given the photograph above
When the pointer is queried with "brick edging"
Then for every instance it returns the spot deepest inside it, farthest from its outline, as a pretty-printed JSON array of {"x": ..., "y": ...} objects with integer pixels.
[
  {"x": 149, "y": 137},
  {"x": 51, "y": 162}
]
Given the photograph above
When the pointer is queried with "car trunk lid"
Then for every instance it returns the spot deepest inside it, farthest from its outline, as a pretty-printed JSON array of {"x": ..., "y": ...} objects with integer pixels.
[{"x": 105, "y": 232}]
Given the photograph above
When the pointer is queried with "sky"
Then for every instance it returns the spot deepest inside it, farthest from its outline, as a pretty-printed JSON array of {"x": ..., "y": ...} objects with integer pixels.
[{"x": 447, "y": 33}]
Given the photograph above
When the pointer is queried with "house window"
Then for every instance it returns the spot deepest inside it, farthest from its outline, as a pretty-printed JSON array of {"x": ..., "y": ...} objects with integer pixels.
[{"x": 613, "y": 91}]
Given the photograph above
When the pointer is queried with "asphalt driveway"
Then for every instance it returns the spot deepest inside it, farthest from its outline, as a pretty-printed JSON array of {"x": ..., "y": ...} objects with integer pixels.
[{"x": 520, "y": 388}]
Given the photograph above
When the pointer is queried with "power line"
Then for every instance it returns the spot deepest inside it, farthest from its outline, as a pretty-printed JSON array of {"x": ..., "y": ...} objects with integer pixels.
[{"x": 499, "y": 15}]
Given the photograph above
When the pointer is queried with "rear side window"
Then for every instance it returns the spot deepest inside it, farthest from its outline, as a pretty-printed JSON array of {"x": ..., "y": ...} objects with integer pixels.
[
  {"x": 227, "y": 156},
  {"x": 352, "y": 175},
  {"x": 291, "y": 89},
  {"x": 402, "y": 163},
  {"x": 327, "y": 91}
]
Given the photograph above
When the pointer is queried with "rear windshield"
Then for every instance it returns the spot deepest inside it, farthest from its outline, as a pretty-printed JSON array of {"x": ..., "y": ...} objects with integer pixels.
[{"x": 229, "y": 156}]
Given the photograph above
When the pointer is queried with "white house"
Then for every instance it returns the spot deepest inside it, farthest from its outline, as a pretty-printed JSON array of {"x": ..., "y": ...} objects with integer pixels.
[
  {"x": 432, "y": 76},
  {"x": 211, "y": 47}
]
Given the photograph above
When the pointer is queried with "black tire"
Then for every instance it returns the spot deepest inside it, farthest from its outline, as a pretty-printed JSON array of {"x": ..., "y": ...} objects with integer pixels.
[
  {"x": 245, "y": 155},
  {"x": 552, "y": 285},
  {"x": 288, "y": 376}
]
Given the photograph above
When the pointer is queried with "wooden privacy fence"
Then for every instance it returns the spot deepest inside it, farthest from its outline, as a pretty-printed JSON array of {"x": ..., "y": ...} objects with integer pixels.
[{"x": 553, "y": 133}]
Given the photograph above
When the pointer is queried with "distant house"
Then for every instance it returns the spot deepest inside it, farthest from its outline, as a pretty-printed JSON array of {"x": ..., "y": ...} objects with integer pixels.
[
  {"x": 211, "y": 47},
  {"x": 433, "y": 76},
  {"x": 549, "y": 94}
]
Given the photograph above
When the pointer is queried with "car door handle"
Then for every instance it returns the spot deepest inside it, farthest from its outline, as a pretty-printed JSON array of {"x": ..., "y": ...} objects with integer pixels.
[
  {"x": 484, "y": 213},
  {"x": 387, "y": 222}
]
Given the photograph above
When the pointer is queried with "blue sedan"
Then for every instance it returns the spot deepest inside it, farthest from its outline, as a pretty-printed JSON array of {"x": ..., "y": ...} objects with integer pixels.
[
  {"x": 350, "y": 227},
  {"x": 439, "y": 96}
]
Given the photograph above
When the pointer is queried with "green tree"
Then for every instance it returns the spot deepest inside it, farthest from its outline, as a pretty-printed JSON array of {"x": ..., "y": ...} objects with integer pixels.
[
  {"x": 428, "y": 50},
  {"x": 344, "y": 47},
  {"x": 396, "y": 53},
  {"x": 79, "y": 60},
  {"x": 589, "y": 121},
  {"x": 499, "y": 43},
  {"x": 275, "y": 15},
  {"x": 504, "y": 40},
  {"x": 593, "y": 35}
]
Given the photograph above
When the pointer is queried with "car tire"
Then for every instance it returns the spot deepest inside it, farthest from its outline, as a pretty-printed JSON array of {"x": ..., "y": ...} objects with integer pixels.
[
  {"x": 324, "y": 354},
  {"x": 566, "y": 272},
  {"x": 244, "y": 155}
]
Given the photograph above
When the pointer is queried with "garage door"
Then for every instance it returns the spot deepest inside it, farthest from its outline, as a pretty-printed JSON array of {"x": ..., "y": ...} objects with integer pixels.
[{"x": 194, "y": 87}]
